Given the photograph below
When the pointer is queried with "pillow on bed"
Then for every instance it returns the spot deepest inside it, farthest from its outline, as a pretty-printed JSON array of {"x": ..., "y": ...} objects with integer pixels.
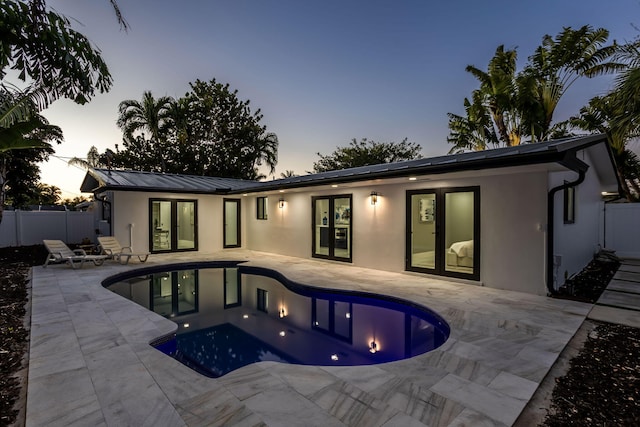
[{"x": 462, "y": 249}]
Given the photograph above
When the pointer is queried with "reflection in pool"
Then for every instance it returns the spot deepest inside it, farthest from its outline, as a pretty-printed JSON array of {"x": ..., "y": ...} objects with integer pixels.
[{"x": 234, "y": 316}]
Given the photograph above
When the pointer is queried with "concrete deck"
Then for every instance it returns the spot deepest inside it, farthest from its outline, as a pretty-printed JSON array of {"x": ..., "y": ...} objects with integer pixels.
[{"x": 91, "y": 363}]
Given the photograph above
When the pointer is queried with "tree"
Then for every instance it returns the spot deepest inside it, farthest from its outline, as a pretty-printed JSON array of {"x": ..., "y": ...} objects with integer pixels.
[
  {"x": 93, "y": 160},
  {"x": 152, "y": 116},
  {"x": 287, "y": 174},
  {"x": 602, "y": 115},
  {"x": 25, "y": 137},
  {"x": 365, "y": 153},
  {"x": 43, "y": 49},
  {"x": 521, "y": 104},
  {"x": 209, "y": 132}
]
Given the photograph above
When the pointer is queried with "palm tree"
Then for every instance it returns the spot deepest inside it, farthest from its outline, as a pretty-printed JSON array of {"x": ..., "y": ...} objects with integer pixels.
[
  {"x": 601, "y": 115},
  {"x": 150, "y": 115},
  {"x": 93, "y": 160},
  {"x": 474, "y": 131},
  {"x": 522, "y": 104},
  {"x": 497, "y": 91},
  {"x": 288, "y": 174},
  {"x": 559, "y": 62}
]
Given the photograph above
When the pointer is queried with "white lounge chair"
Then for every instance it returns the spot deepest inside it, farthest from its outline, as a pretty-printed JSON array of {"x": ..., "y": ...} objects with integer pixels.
[
  {"x": 111, "y": 247},
  {"x": 60, "y": 252}
]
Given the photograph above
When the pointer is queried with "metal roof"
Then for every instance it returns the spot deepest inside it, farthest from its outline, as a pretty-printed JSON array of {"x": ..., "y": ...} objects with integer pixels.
[
  {"x": 105, "y": 179},
  {"x": 560, "y": 151}
]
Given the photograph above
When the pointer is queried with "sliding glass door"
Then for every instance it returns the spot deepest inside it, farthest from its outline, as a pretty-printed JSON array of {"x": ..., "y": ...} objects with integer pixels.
[
  {"x": 332, "y": 232},
  {"x": 173, "y": 225},
  {"x": 443, "y": 232}
]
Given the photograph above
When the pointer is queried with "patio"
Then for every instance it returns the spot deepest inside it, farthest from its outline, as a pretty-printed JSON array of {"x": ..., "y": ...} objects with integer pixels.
[{"x": 91, "y": 363}]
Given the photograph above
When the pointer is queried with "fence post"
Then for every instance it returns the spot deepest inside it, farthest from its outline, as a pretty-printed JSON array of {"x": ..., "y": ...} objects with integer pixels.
[{"x": 18, "y": 225}]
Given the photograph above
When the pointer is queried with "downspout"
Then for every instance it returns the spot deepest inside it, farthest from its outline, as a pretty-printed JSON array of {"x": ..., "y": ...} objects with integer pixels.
[{"x": 550, "y": 215}]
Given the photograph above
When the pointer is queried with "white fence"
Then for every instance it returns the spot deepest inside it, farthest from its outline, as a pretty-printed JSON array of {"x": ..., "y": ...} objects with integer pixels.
[
  {"x": 622, "y": 229},
  {"x": 24, "y": 228}
]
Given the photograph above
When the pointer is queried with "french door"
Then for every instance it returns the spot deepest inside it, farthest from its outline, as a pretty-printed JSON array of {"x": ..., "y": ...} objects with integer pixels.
[
  {"x": 331, "y": 225},
  {"x": 443, "y": 232},
  {"x": 173, "y": 225}
]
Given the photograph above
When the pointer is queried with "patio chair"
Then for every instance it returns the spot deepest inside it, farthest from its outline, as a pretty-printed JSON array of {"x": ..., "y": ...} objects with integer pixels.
[
  {"x": 111, "y": 247},
  {"x": 60, "y": 252}
]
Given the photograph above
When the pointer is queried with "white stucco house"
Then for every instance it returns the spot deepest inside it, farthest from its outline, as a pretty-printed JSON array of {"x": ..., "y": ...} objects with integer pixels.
[{"x": 519, "y": 218}]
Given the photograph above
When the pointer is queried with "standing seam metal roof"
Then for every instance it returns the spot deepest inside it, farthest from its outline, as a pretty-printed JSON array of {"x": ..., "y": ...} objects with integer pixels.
[{"x": 541, "y": 152}]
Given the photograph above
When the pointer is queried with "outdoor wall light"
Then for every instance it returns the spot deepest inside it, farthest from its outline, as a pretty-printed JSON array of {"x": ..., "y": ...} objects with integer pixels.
[
  {"x": 281, "y": 202},
  {"x": 373, "y": 347},
  {"x": 281, "y": 312},
  {"x": 374, "y": 198}
]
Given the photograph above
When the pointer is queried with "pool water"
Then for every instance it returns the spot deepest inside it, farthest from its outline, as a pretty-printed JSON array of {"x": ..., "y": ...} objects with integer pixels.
[{"x": 231, "y": 316}]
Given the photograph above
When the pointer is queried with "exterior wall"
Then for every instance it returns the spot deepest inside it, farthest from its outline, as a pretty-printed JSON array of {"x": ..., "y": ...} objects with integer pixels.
[
  {"x": 131, "y": 207},
  {"x": 575, "y": 244},
  {"x": 513, "y": 214}
]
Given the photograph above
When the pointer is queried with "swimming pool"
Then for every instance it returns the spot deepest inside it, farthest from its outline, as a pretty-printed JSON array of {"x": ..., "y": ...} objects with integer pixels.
[{"x": 230, "y": 315}]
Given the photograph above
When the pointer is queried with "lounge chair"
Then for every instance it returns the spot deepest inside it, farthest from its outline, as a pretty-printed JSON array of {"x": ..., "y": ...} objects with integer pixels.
[
  {"x": 60, "y": 252},
  {"x": 111, "y": 247}
]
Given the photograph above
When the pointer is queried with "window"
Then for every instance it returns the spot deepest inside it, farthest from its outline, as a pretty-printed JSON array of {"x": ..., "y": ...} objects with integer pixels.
[
  {"x": 173, "y": 225},
  {"x": 569, "y": 205},
  {"x": 262, "y": 208}
]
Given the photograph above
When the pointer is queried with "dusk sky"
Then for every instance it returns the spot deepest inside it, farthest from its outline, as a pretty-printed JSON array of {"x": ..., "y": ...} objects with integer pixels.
[{"x": 322, "y": 72}]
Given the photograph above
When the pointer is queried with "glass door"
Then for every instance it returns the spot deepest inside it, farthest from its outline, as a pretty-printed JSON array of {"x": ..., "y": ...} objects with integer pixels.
[
  {"x": 332, "y": 231},
  {"x": 443, "y": 232},
  {"x": 231, "y": 216},
  {"x": 422, "y": 231},
  {"x": 173, "y": 225}
]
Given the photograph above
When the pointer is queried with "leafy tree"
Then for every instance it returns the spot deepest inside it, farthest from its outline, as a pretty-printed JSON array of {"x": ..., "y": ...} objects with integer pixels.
[
  {"x": 521, "y": 104},
  {"x": 72, "y": 203},
  {"x": 57, "y": 61},
  {"x": 209, "y": 131},
  {"x": 25, "y": 137},
  {"x": 365, "y": 153}
]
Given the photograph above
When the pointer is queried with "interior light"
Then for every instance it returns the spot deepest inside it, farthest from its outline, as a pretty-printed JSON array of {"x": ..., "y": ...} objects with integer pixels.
[
  {"x": 334, "y": 357},
  {"x": 373, "y": 347},
  {"x": 281, "y": 191},
  {"x": 281, "y": 202},
  {"x": 374, "y": 197}
]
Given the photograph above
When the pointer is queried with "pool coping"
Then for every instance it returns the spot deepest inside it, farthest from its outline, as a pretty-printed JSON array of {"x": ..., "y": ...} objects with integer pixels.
[{"x": 91, "y": 362}]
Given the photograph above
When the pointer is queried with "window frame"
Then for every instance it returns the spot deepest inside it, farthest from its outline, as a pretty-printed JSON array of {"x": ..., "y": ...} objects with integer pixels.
[
  {"x": 262, "y": 202},
  {"x": 569, "y": 204}
]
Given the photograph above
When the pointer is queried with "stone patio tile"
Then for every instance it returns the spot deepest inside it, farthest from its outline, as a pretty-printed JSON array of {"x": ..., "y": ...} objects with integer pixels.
[
  {"x": 485, "y": 400},
  {"x": 216, "y": 408},
  {"x": 63, "y": 399}
]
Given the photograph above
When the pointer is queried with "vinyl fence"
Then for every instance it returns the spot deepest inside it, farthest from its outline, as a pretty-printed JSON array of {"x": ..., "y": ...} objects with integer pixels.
[
  {"x": 24, "y": 228},
  {"x": 622, "y": 229}
]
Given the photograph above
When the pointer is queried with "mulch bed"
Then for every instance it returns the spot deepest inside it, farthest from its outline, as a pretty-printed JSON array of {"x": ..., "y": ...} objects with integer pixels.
[{"x": 602, "y": 387}]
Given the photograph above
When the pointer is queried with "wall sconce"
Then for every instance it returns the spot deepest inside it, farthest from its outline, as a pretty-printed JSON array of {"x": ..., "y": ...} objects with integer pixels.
[
  {"x": 373, "y": 347},
  {"x": 281, "y": 312},
  {"x": 374, "y": 198},
  {"x": 281, "y": 202}
]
